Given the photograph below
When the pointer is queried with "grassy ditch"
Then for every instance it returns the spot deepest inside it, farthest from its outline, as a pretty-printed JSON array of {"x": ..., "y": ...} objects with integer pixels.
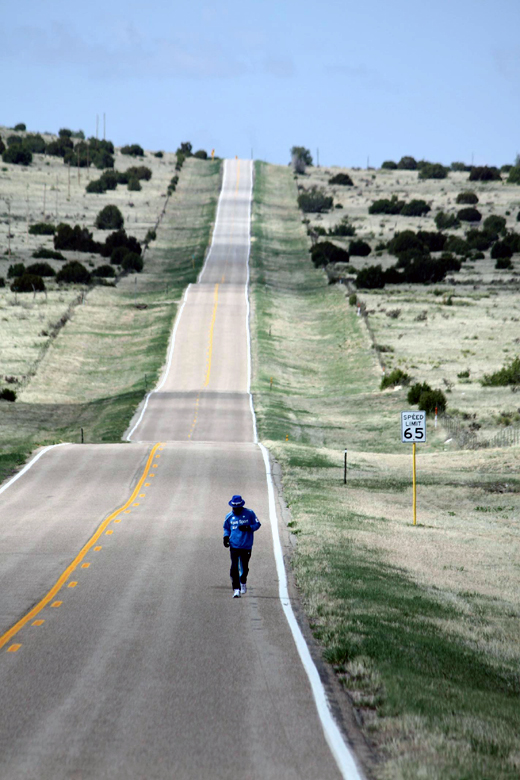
[
  {"x": 111, "y": 351},
  {"x": 421, "y": 624}
]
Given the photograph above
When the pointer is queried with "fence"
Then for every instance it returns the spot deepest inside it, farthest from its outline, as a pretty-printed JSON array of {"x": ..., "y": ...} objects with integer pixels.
[{"x": 468, "y": 439}]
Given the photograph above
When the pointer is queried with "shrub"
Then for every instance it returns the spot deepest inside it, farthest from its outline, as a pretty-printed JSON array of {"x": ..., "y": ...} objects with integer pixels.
[
  {"x": 371, "y": 278},
  {"x": 416, "y": 208},
  {"x": 34, "y": 143},
  {"x": 77, "y": 239},
  {"x": 389, "y": 165},
  {"x": 20, "y": 127},
  {"x": 325, "y": 252},
  {"x": 431, "y": 400},
  {"x": 42, "y": 229},
  {"x": 28, "y": 283},
  {"x": 201, "y": 154},
  {"x": 110, "y": 179},
  {"x": 508, "y": 375},
  {"x": 386, "y": 206},
  {"x": 104, "y": 271},
  {"x": 503, "y": 263},
  {"x": 102, "y": 159},
  {"x": 134, "y": 185},
  {"x": 352, "y": 300},
  {"x": 59, "y": 148},
  {"x": 457, "y": 245},
  {"x": 470, "y": 198},
  {"x": 458, "y": 166},
  {"x": 73, "y": 273},
  {"x": 501, "y": 251},
  {"x": 134, "y": 150},
  {"x": 396, "y": 377},
  {"x": 480, "y": 240},
  {"x": 407, "y": 164},
  {"x": 7, "y": 394},
  {"x": 512, "y": 240},
  {"x": 2, "y": 146},
  {"x": 159, "y": 154},
  {"x": 343, "y": 179},
  {"x": 137, "y": 172},
  {"x": 2, "y": 281},
  {"x": 132, "y": 262},
  {"x": 359, "y": 248},
  {"x": 314, "y": 201},
  {"x": 445, "y": 221},
  {"x": 514, "y": 175},
  {"x": 109, "y": 218},
  {"x": 101, "y": 144},
  {"x": 484, "y": 173},
  {"x": 469, "y": 215},
  {"x": 426, "y": 270},
  {"x": 96, "y": 185},
  {"x": 151, "y": 235},
  {"x": 18, "y": 269},
  {"x": 404, "y": 241},
  {"x": 47, "y": 254},
  {"x": 17, "y": 155},
  {"x": 185, "y": 149},
  {"x": 120, "y": 239},
  {"x": 343, "y": 228},
  {"x": 435, "y": 242},
  {"x": 495, "y": 224},
  {"x": 41, "y": 269},
  {"x": 118, "y": 255},
  {"x": 180, "y": 161},
  {"x": 433, "y": 171},
  {"x": 65, "y": 133},
  {"x": 414, "y": 393}
]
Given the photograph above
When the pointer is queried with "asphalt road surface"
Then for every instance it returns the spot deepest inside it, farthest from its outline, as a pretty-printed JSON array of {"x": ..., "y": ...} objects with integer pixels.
[{"x": 138, "y": 663}]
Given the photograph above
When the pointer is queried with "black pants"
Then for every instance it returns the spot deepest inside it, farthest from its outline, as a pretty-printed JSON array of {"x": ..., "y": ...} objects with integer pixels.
[{"x": 238, "y": 554}]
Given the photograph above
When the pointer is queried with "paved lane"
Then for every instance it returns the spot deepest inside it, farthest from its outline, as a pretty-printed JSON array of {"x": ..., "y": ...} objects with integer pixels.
[{"x": 146, "y": 667}]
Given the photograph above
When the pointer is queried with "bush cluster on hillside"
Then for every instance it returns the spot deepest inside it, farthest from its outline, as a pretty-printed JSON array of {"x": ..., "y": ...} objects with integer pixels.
[
  {"x": 42, "y": 229},
  {"x": 343, "y": 228},
  {"x": 415, "y": 208},
  {"x": 47, "y": 254},
  {"x": 484, "y": 173},
  {"x": 73, "y": 273},
  {"x": 110, "y": 179},
  {"x": 134, "y": 150},
  {"x": 445, "y": 221},
  {"x": 325, "y": 252},
  {"x": 508, "y": 375},
  {"x": 433, "y": 171},
  {"x": 468, "y": 198},
  {"x": 514, "y": 175},
  {"x": 469, "y": 214},
  {"x": 28, "y": 283},
  {"x": 315, "y": 201},
  {"x": 395, "y": 378},
  {"x": 172, "y": 186},
  {"x": 343, "y": 179},
  {"x": 428, "y": 400}
]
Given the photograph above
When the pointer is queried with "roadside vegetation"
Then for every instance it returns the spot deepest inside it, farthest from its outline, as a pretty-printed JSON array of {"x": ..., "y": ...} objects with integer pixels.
[
  {"x": 420, "y": 623},
  {"x": 82, "y": 351}
]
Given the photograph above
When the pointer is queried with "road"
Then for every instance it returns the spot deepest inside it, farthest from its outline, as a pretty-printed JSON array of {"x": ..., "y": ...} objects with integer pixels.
[{"x": 138, "y": 663}]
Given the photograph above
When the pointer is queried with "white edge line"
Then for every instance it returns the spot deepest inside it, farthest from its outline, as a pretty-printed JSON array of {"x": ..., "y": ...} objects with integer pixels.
[
  {"x": 168, "y": 363},
  {"x": 31, "y": 463},
  {"x": 342, "y": 755},
  {"x": 179, "y": 314},
  {"x": 216, "y": 223}
]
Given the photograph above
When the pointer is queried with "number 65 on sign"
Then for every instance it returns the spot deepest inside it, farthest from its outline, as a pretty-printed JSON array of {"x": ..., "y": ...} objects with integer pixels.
[{"x": 413, "y": 427}]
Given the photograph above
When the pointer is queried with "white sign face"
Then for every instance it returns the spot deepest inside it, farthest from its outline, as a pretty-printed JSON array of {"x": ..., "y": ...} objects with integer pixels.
[{"x": 413, "y": 426}]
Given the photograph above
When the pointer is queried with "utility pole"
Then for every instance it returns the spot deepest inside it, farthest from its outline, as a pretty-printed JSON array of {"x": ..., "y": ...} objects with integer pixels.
[
  {"x": 44, "y": 197},
  {"x": 104, "y": 125},
  {"x": 27, "y": 213},
  {"x": 97, "y": 126},
  {"x": 56, "y": 200},
  {"x": 317, "y": 157},
  {"x": 9, "y": 229},
  {"x": 79, "y": 179}
]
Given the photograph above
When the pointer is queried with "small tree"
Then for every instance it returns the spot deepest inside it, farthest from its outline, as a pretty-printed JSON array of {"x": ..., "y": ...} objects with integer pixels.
[
  {"x": 469, "y": 215},
  {"x": 407, "y": 164},
  {"x": 325, "y": 252},
  {"x": 17, "y": 155},
  {"x": 433, "y": 171},
  {"x": 514, "y": 175},
  {"x": 20, "y": 127},
  {"x": 371, "y": 278},
  {"x": 109, "y": 218},
  {"x": 73, "y": 273},
  {"x": 389, "y": 165},
  {"x": 416, "y": 208},
  {"x": 132, "y": 262},
  {"x": 28, "y": 283},
  {"x": 343, "y": 179},
  {"x": 315, "y": 201},
  {"x": 359, "y": 248},
  {"x": 470, "y": 198},
  {"x": 484, "y": 173},
  {"x": 445, "y": 221},
  {"x": 134, "y": 150},
  {"x": 300, "y": 158}
]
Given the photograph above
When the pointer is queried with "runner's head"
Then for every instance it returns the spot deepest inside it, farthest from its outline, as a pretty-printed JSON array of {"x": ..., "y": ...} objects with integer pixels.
[{"x": 236, "y": 503}]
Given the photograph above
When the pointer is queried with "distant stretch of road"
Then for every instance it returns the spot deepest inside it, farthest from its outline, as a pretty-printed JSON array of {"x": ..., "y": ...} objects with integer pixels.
[{"x": 123, "y": 654}]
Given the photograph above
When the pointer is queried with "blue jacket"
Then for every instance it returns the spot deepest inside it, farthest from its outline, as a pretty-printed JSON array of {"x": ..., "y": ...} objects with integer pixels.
[{"x": 240, "y": 528}]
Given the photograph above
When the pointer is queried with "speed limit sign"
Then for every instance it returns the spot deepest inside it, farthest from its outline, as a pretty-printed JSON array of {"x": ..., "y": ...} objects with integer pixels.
[{"x": 413, "y": 427}]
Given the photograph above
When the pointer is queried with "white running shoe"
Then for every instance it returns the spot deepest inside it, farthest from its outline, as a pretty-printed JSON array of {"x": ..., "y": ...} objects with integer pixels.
[
  {"x": 236, "y": 593},
  {"x": 243, "y": 588}
]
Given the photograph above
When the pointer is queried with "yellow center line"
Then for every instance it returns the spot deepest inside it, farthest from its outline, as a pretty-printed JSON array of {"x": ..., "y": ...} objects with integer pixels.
[
  {"x": 77, "y": 560},
  {"x": 211, "y": 330}
]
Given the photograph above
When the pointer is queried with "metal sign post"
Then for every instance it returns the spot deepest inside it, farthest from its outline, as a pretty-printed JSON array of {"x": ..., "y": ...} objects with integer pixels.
[{"x": 413, "y": 429}]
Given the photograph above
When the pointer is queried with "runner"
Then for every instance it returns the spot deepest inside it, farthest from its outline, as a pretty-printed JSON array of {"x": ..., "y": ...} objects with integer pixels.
[{"x": 239, "y": 527}]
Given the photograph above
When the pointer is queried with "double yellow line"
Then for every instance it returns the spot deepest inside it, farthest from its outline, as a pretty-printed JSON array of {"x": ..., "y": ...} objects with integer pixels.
[{"x": 5, "y": 638}]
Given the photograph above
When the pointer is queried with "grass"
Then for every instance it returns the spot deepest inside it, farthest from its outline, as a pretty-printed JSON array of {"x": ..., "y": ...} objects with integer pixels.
[
  {"x": 421, "y": 624},
  {"x": 96, "y": 371}
]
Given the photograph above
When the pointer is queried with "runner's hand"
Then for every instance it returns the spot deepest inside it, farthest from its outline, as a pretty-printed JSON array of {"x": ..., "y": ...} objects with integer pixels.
[{"x": 226, "y": 541}]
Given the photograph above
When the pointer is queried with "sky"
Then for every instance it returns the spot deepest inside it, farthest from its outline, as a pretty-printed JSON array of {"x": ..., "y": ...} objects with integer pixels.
[{"x": 362, "y": 82}]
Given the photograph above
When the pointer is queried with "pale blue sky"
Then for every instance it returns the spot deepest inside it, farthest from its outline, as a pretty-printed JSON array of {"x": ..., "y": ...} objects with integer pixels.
[{"x": 439, "y": 80}]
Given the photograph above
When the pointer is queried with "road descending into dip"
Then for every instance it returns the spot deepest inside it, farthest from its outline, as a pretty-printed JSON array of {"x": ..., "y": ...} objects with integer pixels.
[{"x": 123, "y": 654}]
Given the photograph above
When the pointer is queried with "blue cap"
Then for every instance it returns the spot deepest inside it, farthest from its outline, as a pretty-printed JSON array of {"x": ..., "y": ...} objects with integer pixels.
[{"x": 236, "y": 501}]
